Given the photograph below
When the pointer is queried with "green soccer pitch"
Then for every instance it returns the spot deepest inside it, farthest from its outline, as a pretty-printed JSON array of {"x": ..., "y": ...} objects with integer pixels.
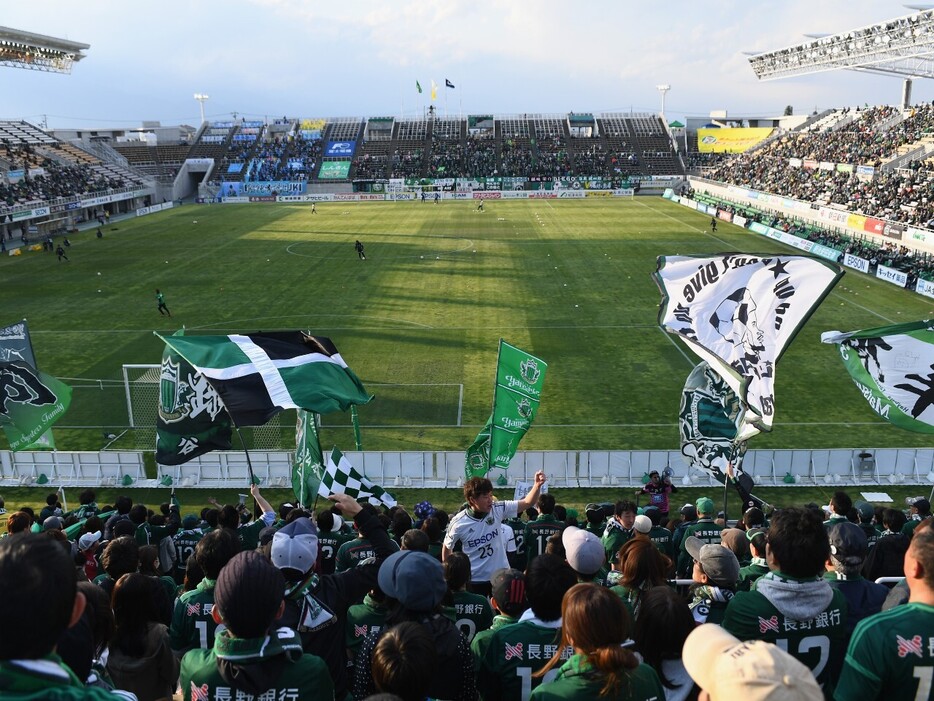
[{"x": 419, "y": 320}]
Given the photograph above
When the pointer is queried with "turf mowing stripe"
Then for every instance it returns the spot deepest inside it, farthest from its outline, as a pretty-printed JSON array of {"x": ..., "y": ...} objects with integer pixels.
[{"x": 691, "y": 362}]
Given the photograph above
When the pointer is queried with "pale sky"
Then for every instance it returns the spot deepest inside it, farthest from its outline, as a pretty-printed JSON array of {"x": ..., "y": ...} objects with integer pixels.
[{"x": 361, "y": 58}]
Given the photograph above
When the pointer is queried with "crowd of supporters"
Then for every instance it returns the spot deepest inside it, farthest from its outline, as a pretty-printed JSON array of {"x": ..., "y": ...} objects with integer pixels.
[{"x": 502, "y": 600}]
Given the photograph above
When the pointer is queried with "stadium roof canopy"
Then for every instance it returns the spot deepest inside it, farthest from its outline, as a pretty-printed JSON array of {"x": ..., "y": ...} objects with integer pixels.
[
  {"x": 37, "y": 52},
  {"x": 903, "y": 46}
]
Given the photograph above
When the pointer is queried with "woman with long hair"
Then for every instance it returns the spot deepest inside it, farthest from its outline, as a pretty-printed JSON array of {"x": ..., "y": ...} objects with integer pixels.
[
  {"x": 642, "y": 566},
  {"x": 141, "y": 659},
  {"x": 595, "y": 623},
  {"x": 659, "y": 634}
]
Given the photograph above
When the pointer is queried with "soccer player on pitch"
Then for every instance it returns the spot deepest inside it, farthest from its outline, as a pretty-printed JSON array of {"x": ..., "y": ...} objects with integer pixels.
[{"x": 478, "y": 529}]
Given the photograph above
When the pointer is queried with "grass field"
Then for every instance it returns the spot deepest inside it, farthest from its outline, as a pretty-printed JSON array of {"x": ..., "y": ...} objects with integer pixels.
[{"x": 420, "y": 319}]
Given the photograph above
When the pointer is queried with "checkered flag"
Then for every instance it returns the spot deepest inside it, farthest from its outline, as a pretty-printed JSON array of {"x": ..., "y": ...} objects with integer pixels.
[{"x": 340, "y": 477}]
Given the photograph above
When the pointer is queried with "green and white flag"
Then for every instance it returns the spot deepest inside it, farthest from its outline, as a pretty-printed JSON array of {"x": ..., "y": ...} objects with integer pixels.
[
  {"x": 893, "y": 367},
  {"x": 740, "y": 312},
  {"x": 30, "y": 403},
  {"x": 16, "y": 346},
  {"x": 260, "y": 374},
  {"x": 710, "y": 418},
  {"x": 191, "y": 419},
  {"x": 340, "y": 477},
  {"x": 516, "y": 397},
  {"x": 307, "y": 468}
]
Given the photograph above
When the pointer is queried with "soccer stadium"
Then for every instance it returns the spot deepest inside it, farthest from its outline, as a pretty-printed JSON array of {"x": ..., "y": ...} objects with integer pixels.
[{"x": 446, "y": 378}]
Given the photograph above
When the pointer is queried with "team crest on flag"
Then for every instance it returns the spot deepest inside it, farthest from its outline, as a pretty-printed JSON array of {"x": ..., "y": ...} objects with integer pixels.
[
  {"x": 739, "y": 312},
  {"x": 893, "y": 368}
]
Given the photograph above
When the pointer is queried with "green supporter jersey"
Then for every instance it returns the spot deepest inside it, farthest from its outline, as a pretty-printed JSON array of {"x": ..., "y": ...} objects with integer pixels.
[
  {"x": 518, "y": 559},
  {"x": 328, "y": 546},
  {"x": 249, "y": 534},
  {"x": 147, "y": 534},
  {"x": 891, "y": 656},
  {"x": 185, "y": 544},
  {"x": 537, "y": 533},
  {"x": 481, "y": 640},
  {"x": 661, "y": 538},
  {"x": 575, "y": 681},
  {"x": 614, "y": 537},
  {"x": 818, "y": 643},
  {"x": 471, "y": 613},
  {"x": 193, "y": 624},
  {"x": 46, "y": 679},
  {"x": 513, "y": 654},
  {"x": 872, "y": 533},
  {"x": 750, "y": 573},
  {"x": 355, "y": 551},
  {"x": 704, "y": 529},
  {"x": 293, "y": 675},
  {"x": 363, "y": 619}
]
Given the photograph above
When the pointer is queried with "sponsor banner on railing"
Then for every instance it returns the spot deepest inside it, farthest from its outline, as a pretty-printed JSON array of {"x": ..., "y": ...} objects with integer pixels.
[
  {"x": 834, "y": 216},
  {"x": 14, "y": 176},
  {"x": 94, "y": 201},
  {"x": 199, "y": 161},
  {"x": 739, "y": 221},
  {"x": 893, "y": 230},
  {"x": 920, "y": 235},
  {"x": 340, "y": 148},
  {"x": 865, "y": 172},
  {"x": 334, "y": 170},
  {"x": 547, "y": 194},
  {"x": 400, "y": 196},
  {"x": 827, "y": 252},
  {"x": 599, "y": 193},
  {"x": 244, "y": 137},
  {"x": 844, "y": 168},
  {"x": 155, "y": 208},
  {"x": 796, "y": 241},
  {"x": 925, "y": 287},
  {"x": 307, "y": 198},
  {"x": 457, "y": 195},
  {"x": 892, "y": 275},
  {"x": 270, "y": 187},
  {"x": 262, "y": 198},
  {"x": 873, "y": 226},
  {"x": 488, "y": 195},
  {"x": 736, "y": 140},
  {"x": 794, "y": 162},
  {"x": 711, "y": 210},
  {"x": 725, "y": 215},
  {"x": 826, "y": 165},
  {"x": 212, "y": 139},
  {"x": 690, "y": 204},
  {"x": 809, "y": 163},
  {"x": 73, "y": 205},
  {"x": 571, "y": 195},
  {"x": 629, "y": 192},
  {"x": 856, "y": 221},
  {"x": 515, "y": 195},
  {"x": 312, "y": 124},
  {"x": 855, "y": 262},
  {"x": 235, "y": 199}
]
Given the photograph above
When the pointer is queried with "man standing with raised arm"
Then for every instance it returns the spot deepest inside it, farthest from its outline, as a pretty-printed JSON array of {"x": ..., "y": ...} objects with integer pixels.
[{"x": 478, "y": 529}]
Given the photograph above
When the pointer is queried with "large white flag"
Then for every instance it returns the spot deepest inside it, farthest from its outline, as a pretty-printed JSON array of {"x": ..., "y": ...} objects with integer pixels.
[{"x": 739, "y": 312}]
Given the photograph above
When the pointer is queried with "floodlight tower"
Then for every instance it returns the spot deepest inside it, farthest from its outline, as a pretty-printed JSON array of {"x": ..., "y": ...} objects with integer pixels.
[
  {"x": 202, "y": 98},
  {"x": 663, "y": 89}
]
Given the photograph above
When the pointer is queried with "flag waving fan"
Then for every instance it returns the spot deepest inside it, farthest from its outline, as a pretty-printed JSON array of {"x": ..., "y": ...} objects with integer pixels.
[
  {"x": 893, "y": 367},
  {"x": 739, "y": 312},
  {"x": 258, "y": 375}
]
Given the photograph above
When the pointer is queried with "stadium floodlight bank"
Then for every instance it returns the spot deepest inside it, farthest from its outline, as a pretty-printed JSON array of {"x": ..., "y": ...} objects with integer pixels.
[
  {"x": 902, "y": 46},
  {"x": 38, "y": 52}
]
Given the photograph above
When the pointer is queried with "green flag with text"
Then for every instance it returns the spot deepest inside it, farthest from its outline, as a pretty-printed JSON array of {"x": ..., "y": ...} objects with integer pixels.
[
  {"x": 30, "y": 402},
  {"x": 308, "y": 466},
  {"x": 519, "y": 380}
]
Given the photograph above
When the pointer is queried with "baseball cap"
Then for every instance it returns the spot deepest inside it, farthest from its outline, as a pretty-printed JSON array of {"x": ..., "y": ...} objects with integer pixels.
[
  {"x": 848, "y": 543},
  {"x": 338, "y": 523},
  {"x": 583, "y": 550},
  {"x": 727, "y": 668},
  {"x": 719, "y": 562},
  {"x": 509, "y": 591},
  {"x": 735, "y": 540},
  {"x": 413, "y": 578},
  {"x": 52, "y": 523},
  {"x": 295, "y": 545},
  {"x": 88, "y": 540},
  {"x": 642, "y": 524},
  {"x": 190, "y": 522},
  {"x": 866, "y": 512},
  {"x": 704, "y": 505},
  {"x": 248, "y": 593}
]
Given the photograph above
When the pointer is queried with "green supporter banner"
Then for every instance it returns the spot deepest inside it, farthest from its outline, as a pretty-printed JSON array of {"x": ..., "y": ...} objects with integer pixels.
[
  {"x": 31, "y": 402},
  {"x": 334, "y": 170},
  {"x": 516, "y": 398},
  {"x": 15, "y": 344},
  {"x": 308, "y": 465}
]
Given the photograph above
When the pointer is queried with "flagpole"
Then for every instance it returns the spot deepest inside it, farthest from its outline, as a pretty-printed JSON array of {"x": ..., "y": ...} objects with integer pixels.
[
  {"x": 314, "y": 420},
  {"x": 489, "y": 457},
  {"x": 301, "y": 493},
  {"x": 355, "y": 420},
  {"x": 249, "y": 463}
]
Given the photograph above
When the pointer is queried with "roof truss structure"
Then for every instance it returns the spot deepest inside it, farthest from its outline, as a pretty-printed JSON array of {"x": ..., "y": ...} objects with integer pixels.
[
  {"x": 903, "y": 46},
  {"x": 37, "y": 52}
]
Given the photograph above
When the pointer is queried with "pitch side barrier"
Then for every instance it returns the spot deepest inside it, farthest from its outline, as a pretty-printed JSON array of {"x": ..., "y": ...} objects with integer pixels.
[
  {"x": 475, "y": 195},
  {"x": 585, "y": 468},
  {"x": 883, "y": 272}
]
